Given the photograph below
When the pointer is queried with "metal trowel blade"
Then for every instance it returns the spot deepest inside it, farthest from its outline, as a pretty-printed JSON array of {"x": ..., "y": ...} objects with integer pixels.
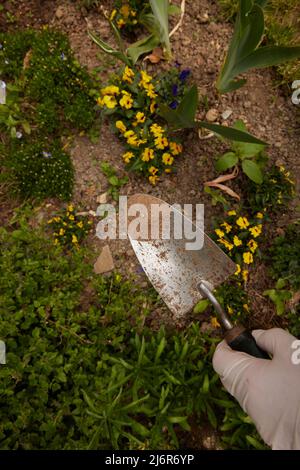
[{"x": 175, "y": 271}]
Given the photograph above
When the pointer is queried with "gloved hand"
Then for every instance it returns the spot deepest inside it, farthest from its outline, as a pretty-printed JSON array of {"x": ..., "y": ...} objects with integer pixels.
[{"x": 268, "y": 390}]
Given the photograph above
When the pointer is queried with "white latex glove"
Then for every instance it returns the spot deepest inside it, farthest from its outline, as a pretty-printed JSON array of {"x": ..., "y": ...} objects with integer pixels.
[{"x": 268, "y": 390}]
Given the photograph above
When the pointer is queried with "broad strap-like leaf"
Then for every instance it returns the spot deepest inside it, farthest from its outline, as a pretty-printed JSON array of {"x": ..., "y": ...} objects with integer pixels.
[
  {"x": 142, "y": 46},
  {"x": 184, "y": 116},
  {"x": 231, "y": 133},
  {"x": 109, "y": 50},
  {"x": 267, "y": 57},
  {"x": 160, "y": 9}
]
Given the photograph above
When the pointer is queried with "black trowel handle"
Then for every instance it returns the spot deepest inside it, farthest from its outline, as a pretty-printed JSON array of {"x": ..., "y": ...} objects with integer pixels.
[{"x": 240, "y": 339}]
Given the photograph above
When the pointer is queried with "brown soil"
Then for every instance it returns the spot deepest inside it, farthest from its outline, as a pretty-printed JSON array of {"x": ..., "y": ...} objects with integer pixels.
[{"x": 199, "y": 44}]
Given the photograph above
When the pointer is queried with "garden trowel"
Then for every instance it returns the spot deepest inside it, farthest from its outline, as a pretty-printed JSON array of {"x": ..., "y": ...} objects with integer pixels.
[{"x": 181, "y": 274}]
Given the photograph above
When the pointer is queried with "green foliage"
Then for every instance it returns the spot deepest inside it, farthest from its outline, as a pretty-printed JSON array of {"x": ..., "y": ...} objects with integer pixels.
[
  {"x": 281, "y": 18},
  {"x": 238, "y": 430},
  {"x": 279, "y": 296},
  {"x": 54, "y": 82},
  {"x": 56, "y": 345},
  {"x": 41, "y": 169},
  {"x": 79, "y": 373},
  {"x": 249, "y": 156},
  {"x": 129, "y": 15},
  {"x": 115, "y": 183},
  {"x": 12, "y": 119},
  {"x": 245, "y": 52},
  {"x": 69, "y": 229},
  {"x": 274, "y": 194},
  {"x": 284, "y": 256}
]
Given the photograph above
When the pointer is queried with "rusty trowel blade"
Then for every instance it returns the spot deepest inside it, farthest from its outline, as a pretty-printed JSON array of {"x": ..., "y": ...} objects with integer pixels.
[{"x": 175, "y": 271}]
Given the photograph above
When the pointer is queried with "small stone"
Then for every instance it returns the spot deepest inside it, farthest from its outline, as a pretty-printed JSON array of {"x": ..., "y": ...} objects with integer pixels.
[
  {"x": 93, "y": 213},
  {"x": 212, "y": 115},
  {"x": 278, "y": 145},
  {"x": 105, "y": 262},
  {"x": 227, "y": 114},
  {"x": 247, "y": 104},
  {"x": 60, "y": 12},
  {"x": 203, "y": 18},
  {"x": 102, "y": 198}
]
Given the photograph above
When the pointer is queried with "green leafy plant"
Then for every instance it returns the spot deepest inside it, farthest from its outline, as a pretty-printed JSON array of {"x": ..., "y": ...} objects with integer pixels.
[
  {"x": 131, "y": 103},
  {"x": 245, "y": 51},
  {"x": 284, "y": 256},
  {"x": 156, "y": 22},
  {"x": 184, "y": 116},
  {"x": 115, "y": 183},
  {"x": 69, "y": 229},
  {"x": 249, "y": 156},
  {"x": 40, "y": 169},
  {"x": 279, "y": 295},
  {"x": 274, "y": 194},
  {"x": 11, "y": 116}
]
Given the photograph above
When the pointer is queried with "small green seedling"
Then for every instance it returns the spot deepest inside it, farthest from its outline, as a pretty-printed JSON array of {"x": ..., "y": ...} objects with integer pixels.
[
  {"x": 249, "y": 156},
  {"x": 115, "y": 183}
]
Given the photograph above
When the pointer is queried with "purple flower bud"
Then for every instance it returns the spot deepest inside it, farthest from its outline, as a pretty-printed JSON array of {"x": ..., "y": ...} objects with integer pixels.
[
  {"x": 174, "y": 89},
  {"x": 184, "y": 74},
  {"x": 174, "y": 104},
  {"x": 62, "y": 56}
]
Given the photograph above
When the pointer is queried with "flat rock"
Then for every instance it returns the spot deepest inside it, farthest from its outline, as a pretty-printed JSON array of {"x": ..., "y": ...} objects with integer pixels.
[
  {"x": 105, "y": 262},
  {"x": 212, "y": 115}
]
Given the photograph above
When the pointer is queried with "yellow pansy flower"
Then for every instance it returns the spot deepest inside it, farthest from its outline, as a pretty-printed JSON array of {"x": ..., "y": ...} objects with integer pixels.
[
  {"x": 124, "y": 10},
  {"x": 214, "y": 322},
  {"x": 80, "y": 224},
  {"x": 219, "y": 232},
  {"x": 227, "y": 227},
  {"x": 230, "y": 310},
  {"x": 120, "y": 23},
  {"x": 238, "y": 269},
  {"x": 246, "y": 307},
  {"x": 70, "y": 208},
  {"x": 145, "y": 77},
  {"x": 147, "y": 154},
  {"x": 153, "y": 179},
  {"x": 128, "y": 75},
  {"x": 252, "y": 245},
  {"x": 121, "y": 126},
  {"x": 109, "y": 101},
  {"x": 126, "y": 101},
  {"x": 127, "y": 156},
  {"x": 61, "y": 231},
  {"x": 110, "y": 90},
  {"x": 167, "y": 158},
  {"x": 242, "y": 222},
  {"x": 129, "y": 133},
  {"x": 56, "y": 242},
  {"x": 259, "y": 215},
  {"x": 237, "y": 241},
  {"x": 175, "y": 148},
  {"x": 150, "y": 90},
  {"x": 153, "y": 170},
  {"x": 227, "y": 244},
  {"x": 71, "y": 217},
  {"x": 256, "y": 230},
  {"x": 140, "y": 117},
  {"x": 152, "y": 107},
  {"x": 168, "y": 170},
  {"x": 247, "y": 257},
  {"x": 156, "y": 130},
  {"x": 231, "y": 212},
  {"x": 245, "y": 275},
  {"x": 133, "y": 141},
  {"x": 161, "y": 142}
]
